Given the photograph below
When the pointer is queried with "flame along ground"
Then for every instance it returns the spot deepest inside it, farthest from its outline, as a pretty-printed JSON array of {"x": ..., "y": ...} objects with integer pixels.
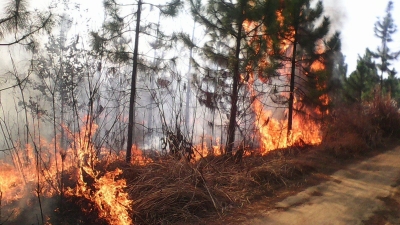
[
  {"x": 36, "y": 171},
  {"x": 273, "y": 132},
  {"x": 108, "y": 195}
]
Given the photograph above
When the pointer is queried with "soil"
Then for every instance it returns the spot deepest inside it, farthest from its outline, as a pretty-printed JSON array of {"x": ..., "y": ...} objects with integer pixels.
[{"x": 361, "y": 191}]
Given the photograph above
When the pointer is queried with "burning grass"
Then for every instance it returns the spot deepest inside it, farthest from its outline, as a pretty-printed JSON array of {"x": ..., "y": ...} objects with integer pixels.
[
  {"x": 169, "y": 191},
  {"x": 164, "y": 190}
]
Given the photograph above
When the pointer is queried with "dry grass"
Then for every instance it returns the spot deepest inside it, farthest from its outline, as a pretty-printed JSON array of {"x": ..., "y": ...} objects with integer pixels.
[{"x": 170, "y": 191}]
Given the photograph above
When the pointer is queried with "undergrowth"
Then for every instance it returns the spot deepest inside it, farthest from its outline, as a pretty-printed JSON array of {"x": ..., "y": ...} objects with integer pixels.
[{"x": 170, "y": 191}]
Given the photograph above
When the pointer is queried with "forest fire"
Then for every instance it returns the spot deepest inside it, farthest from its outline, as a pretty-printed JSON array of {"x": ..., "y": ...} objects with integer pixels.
[
  {"x": 138, "y": 157},
  {"x": 186, "y": 123},
  {"x": 41, "y": 174},
  {"x": 9, "y": 180},
  {"x": 273, "y": 132},
  {"x": 108, "y": 196},
  {"x": 202, "y": 150},
  {"x": 317, "y": 66}
]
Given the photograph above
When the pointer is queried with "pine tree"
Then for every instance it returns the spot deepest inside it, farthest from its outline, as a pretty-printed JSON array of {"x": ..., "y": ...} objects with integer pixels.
[
  {"x": 115, "y": 31},
  {"x": 338, "y": 79},
  {"x": 360, "y": 85},
  {"x": 234, "y": 51},
  {"x": 306, "y": 31},
  {"x": 384, "y": 29},
  {"x": 23, "y": 24}
]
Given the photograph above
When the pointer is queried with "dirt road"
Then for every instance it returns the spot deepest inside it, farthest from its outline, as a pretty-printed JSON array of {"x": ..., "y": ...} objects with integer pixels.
[{"x": 367, "y": 192}]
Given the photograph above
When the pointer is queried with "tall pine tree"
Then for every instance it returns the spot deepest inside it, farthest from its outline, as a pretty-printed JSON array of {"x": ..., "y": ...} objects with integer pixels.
[
  {"x": 305, "y": 30},
  {"x": 231, "y": 49},
  {"x": 359, "y": 86},
  {"x": 384, "y": 29}
]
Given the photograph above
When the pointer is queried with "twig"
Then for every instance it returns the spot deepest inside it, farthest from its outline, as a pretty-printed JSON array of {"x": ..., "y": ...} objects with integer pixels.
[{"x": 208, "y": 190}]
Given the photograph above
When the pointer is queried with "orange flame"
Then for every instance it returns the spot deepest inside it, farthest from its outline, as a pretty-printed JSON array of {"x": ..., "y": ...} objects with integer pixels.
[
  {"x": 203, "y": 150},
  {"x": 138, "y": 157},
  {"x": 109, "y": 196},
  {"x": 273, "y": 132},
  {"x": 317, "y": 66},
  {"x": 37, "y": 164}
]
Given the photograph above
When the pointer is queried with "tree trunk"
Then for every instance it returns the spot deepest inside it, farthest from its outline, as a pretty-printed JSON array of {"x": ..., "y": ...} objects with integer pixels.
[
  {"x": 131, "y": 124},
  {"x": 62, "y": 121},
  {"x": 188, "y": 87},
  {"x": 383, "y": 64},
  {"x": 235, "y": 88},
  {"x": 291, "y": 91}
]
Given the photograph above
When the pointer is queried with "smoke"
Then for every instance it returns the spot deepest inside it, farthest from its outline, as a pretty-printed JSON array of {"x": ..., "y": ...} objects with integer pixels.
[
  {"x": 334, "y": 9},
  {"x": 28, "y": 210},
  {"x": 13, "y": 66}
]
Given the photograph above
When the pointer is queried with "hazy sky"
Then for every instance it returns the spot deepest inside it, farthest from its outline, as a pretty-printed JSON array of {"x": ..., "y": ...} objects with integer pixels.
[
  {"x": 355, "y": 20},
  {"x": 356, "y": 23}
]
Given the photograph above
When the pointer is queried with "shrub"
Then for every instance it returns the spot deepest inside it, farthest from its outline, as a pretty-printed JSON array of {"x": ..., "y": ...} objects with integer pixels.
[
  {"x": 385, "y": 115},
  {"x": 350, "y": 130}
]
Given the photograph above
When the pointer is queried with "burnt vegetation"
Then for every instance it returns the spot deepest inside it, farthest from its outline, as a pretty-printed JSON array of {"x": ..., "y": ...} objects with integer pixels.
[{"x": 110, "y": 133}]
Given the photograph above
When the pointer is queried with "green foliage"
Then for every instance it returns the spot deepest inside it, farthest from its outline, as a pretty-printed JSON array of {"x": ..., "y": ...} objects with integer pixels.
[
  {"x": 384, "y": 29},
  {"x": 232, "y": 52},
  {"x": 360, "y": 85},
  {"x": 23, "y": 24},
  {"x": 229, "y": 45},
  {"x": 170, "y": 9},
  {"x": 17, "y": 16},
  {"x": 219, "y": 51},
  {"x": 114, "y": 38},
  {"x": 307, "y": 29}
]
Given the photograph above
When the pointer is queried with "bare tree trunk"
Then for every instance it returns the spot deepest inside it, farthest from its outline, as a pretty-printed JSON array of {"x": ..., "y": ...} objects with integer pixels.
[
  {"x": 131, "y": 124},
  {"x": 189, "y": 79},
  {"x": 62, "y": 122},
  {"x": 291, "y": 91},
  {"x": 235, "y": 88},
  {"x": 383, "y": 66}
]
